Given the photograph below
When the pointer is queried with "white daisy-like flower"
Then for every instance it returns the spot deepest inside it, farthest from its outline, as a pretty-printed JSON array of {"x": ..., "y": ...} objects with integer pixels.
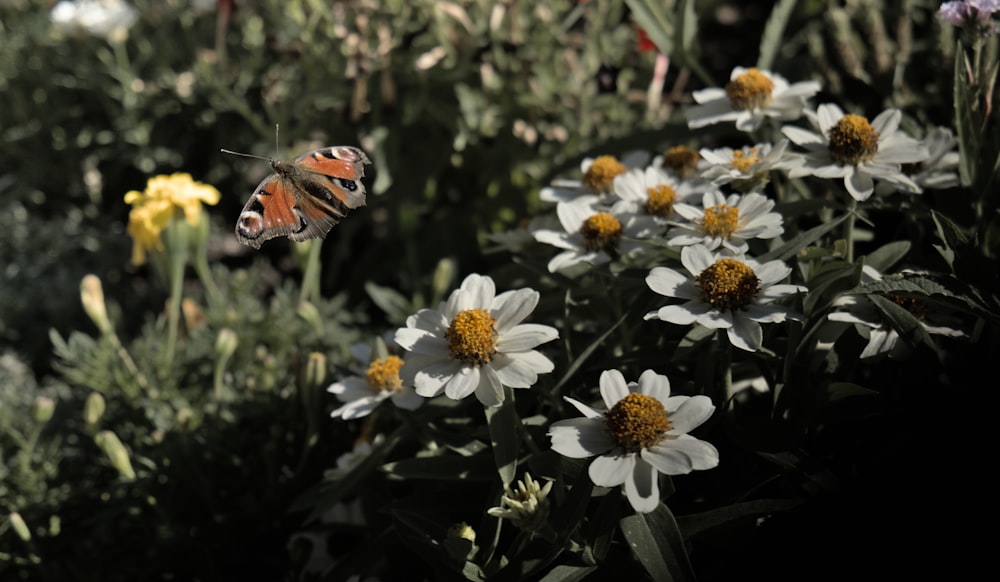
[
  {"x": 939, "y": 170},
  {"x": 727, "y": 222},
  {"x": 750, "y": 96},
  {"x": 105, "y": 18},
  {"x": 527, "y": 507},
  {"x": 883, "y": 339},
  {"x": 379, "y": 382},
  {"x": 594, "y": 235},
  {"x": 653, "y": 191},
  {"x": 598, "y": 175},
  {"x": 728, "y": 292},
  {"x": 746, "y": 169},
  {"x": 643, "y": 432},
  {"x": 475, "y": 343},
  {"x": 847, "y": 146}
]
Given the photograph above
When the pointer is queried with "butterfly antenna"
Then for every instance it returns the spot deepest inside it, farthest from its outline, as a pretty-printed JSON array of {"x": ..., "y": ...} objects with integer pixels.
[
  {"x": 243, "y": 155},
  {"x": 277, "y": 148}
]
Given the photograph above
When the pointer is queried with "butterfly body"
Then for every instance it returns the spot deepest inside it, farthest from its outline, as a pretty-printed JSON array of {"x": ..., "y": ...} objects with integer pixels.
[{"x": 304, "y": 198}]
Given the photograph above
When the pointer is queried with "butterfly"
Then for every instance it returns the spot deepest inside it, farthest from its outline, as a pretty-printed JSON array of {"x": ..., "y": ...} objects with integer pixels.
[{"x": 303, "y": 198}]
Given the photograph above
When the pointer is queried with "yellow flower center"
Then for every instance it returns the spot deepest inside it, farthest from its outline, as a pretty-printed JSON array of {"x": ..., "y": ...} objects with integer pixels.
[
  {"x": 637, "y": 422},
  {"x": 728, "y": 284},
  {"x": 681, "y": 160},
  {"x": 721, "y": 220},
  {"x": 751, "y": 90},
  {"x": 743, "y": 161},
  {"x": 471, "y": 337},
  {"x": 661, "y": 200},
  {"x": 601, "y": 232},
  {"x": 383, "y": 374},
  {"x": 853, "y": 140},
  {"x": 600, "y": 176}
]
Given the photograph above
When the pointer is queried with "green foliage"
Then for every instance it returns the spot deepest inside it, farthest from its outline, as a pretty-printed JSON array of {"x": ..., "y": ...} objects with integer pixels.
[{"x": 188, "y": 433}]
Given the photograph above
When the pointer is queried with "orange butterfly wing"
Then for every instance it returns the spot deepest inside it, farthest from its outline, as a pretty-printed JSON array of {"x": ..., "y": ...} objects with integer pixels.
[{"x": 304, "y": 198}]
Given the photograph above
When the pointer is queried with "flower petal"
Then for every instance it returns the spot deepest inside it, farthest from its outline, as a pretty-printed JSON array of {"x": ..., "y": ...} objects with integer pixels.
[
  {"x": 655, "y": 385},
  {"x": 690, "y": 413},
  {"x": 430, "y": 378},
  {"x": 643, "y": 489},
  {"x": 510, "y": 308},
  {"x": 490, "y": 390},
  {"x": 613, "y": 387},
  {"x": 580, "y": 438},
  {"x": 611, "y": 470},
  {"x": 463, "y": 383},
  {"x": 525, "y": 336},
  {"x": 746, "y": 334},
  {"x": 521, "y": 369}
]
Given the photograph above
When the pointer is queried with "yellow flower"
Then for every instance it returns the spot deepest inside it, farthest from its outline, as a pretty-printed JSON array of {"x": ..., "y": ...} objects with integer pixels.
[{"x": 153, "y": 209}]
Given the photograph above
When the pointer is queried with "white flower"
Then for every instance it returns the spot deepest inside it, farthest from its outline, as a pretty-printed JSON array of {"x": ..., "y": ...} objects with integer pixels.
[
  {"x": 728, "y": 292},
  {"x": 653, "y": 191},
  {"x": 528, "y": 507},
  {"x": 379, "y": 382},
  {"x": 105, "y": 18},
  {"x": 475, "y": 342},
  {"x": 848, "y": 147},
  {"x": 728, "y": 222},
  {"x": 594, "y": 235},
  {"x": 746, "y": 169},
  {"x": 939, "y": 170},
  {"x": 598, "y": 176},
  {"x": 750, "y": 96},
  {"x": 883, "y": 339},
  {"x": 643, "y": 432}
]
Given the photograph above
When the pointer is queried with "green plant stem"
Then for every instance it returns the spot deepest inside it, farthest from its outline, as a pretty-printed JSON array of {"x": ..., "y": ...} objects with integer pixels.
[
  {"x": 310, "y": 278},
  {"x": 852, "y": 213},
  {"x": 176, "y": 240}
]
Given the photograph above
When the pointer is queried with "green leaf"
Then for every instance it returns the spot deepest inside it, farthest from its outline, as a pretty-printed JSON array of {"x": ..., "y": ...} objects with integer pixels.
[
  {"x": 800, "y": 241},
  {"x": 967, "y": 136},
  {"x": 687, "y": 31},
  {"x": 566, "y": 573},
  {"x": 771, "y": 39},
  {"x": 905, "y": 323},
  {"x": 392, "y": 302},
  {"x": 884, "y": 257},
  {"x": 504, "y": 425},
  {"x": 657, "y": 542}
]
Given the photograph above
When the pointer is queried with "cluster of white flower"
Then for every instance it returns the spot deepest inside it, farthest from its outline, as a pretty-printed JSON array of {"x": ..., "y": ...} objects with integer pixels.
[{"x": 672, "y": 211}]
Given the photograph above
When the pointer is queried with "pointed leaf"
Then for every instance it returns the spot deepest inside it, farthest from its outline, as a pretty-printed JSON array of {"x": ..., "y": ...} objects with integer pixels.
[{"x": 658, "y": 544}]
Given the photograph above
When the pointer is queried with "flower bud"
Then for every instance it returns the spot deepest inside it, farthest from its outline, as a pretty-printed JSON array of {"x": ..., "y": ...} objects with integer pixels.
[
  {"x": 444, "y": 274},
  {"x": 92, "y": 297},
  {"x": 20, "y": 528},
  {"x": 42, "y": 408},
  {"x": 116, "y": 453},
  {"x": 93, "y": 408},
  {"x": 225, "y": 344}
]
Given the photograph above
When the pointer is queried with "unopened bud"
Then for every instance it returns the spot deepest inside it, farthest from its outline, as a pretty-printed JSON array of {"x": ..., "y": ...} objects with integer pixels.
[
  {"x": 225, "y": 343},
  {"x": 20, "y": 528},
  {"x": 93, "y": 408},
  {"x": 92, "y": 297},
  {"x": 42, "y": 408},
  {"x": 116, "y": 453}
]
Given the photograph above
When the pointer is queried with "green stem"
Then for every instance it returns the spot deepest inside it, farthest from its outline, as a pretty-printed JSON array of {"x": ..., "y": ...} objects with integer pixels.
[
  {"x": 176, "y": 240},
  {"x": 310, "y": 278},
  {"x": 852, "y": 213}
]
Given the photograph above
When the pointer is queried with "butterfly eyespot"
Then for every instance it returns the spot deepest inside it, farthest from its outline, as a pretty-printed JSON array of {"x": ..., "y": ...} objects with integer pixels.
[{"x": 350, "y": 185}]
